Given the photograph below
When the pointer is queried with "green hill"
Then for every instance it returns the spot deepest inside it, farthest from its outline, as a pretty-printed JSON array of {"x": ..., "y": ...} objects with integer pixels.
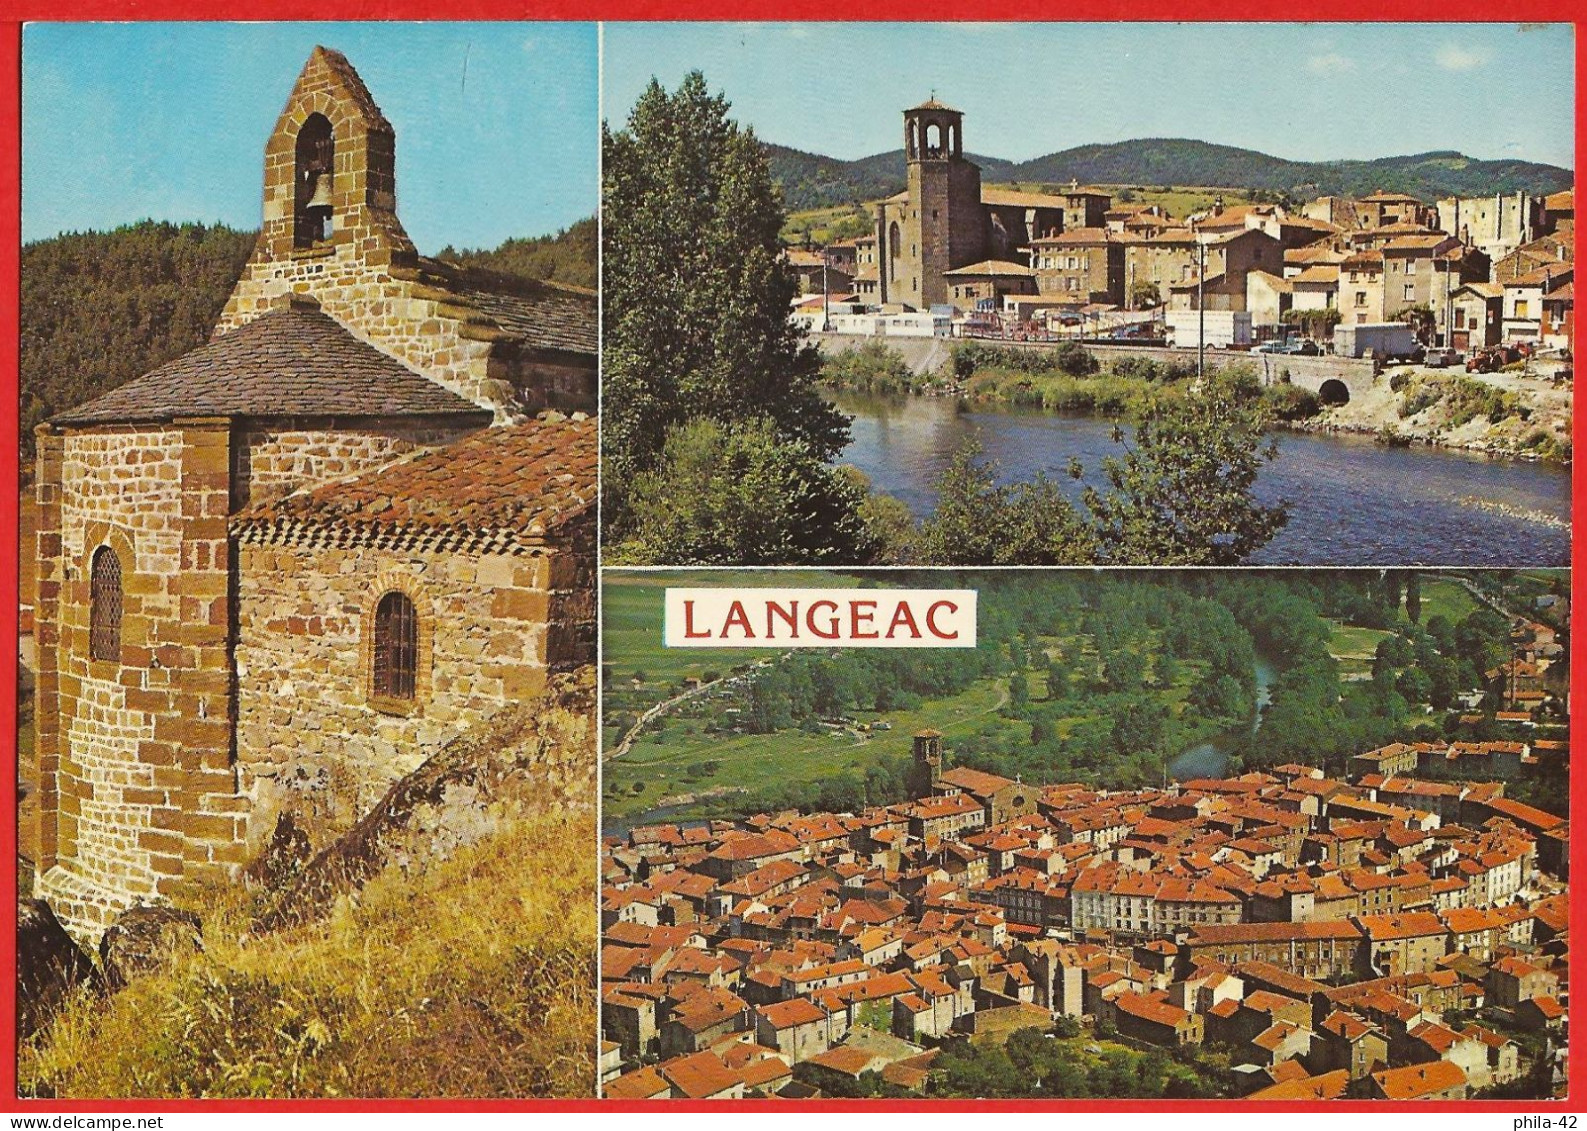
[
  {"x": 814, "y": 181},
  {"x": 569, "y": 256},
  {"x": 100, "y": 308},
  {"x": 810, "y": 180}
]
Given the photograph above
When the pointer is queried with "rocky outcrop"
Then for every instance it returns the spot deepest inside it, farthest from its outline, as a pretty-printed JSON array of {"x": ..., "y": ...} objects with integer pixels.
[
  {"x": 49, "y": 966},
  {"x": 147, "y": 939},
  {"x": 286, "y": 854},
  {"x": 532, "y": 757}
]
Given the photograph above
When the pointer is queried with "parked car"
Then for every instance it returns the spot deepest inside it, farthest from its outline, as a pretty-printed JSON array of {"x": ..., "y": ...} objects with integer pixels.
[
  {"x": 1441, "y": 357},
  {"x": 1274, "y": 346},
  {"x": 1305, "y": 348}
]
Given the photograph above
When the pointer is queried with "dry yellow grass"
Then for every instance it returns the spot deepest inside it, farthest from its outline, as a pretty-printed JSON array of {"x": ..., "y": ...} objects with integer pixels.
[{"x": 470, "y": 977}]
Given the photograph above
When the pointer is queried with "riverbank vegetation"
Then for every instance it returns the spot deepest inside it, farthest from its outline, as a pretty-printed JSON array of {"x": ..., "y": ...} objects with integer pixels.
[{"x": 1066, "y": 378}]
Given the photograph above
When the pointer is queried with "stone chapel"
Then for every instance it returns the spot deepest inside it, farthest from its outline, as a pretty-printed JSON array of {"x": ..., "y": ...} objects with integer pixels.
[{"x": 277, "y": 573}]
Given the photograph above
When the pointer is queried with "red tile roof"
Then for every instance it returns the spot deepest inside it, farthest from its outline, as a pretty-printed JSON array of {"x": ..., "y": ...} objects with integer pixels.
[
  {"x": 519, "y": 482},
  {"x": 1417, "y": 1080},
  {"x": 795, "y": 1011},
  {"x": 699, "y": 1076}
]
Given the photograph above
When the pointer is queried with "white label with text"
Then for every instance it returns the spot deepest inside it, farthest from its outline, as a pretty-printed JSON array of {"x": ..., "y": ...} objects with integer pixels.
[{"x": 820, "y": 618}]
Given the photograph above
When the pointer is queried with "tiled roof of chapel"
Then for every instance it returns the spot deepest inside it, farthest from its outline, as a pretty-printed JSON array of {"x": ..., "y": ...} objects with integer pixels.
[
  {"x": 287, "y": 363},
  {"x": 524, "y": 480}
]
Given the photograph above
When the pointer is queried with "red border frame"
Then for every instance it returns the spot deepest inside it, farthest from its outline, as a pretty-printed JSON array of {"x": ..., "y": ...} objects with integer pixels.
[{"x": 1432, "y": 11}]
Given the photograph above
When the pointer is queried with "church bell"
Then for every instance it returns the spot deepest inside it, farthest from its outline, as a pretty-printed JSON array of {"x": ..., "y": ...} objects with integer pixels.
[{"x": 321, "y": 196}]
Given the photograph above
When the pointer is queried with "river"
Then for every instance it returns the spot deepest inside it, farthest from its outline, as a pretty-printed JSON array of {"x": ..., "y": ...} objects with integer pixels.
[
  {"x": 1209, "y": 759},
  {"x": 1352, "y": 501}
]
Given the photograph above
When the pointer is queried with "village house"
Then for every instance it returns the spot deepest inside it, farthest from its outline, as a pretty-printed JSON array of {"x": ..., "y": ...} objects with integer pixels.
[
  {"x": 1361, "y": 288},
  {"x": 1476, "y": 313},
  {"x": 1083, "y": 265},
  {"x": 1529, "y": 297}
]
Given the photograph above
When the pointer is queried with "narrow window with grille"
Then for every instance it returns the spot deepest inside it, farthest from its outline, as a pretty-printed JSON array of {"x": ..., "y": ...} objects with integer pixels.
[
  {"x": 104, "y": 606},
  {"x": 396, "y": 651}
]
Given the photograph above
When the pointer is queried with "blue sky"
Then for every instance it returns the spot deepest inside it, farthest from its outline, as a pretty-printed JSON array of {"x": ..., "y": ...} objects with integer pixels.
[
  {"x": 497, "y": 127},
  {"x": 1299, "y": 91}
]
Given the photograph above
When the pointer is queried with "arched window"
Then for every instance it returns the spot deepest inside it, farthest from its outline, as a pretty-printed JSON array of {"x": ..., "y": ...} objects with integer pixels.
[
  {"x": 315, "y": 164},
  {"x": 914, "y": 140},
  {"x": 933, "y": 139},
  {"x": 396, "y": 647},
  {"x": 104, "y": 606},
  {"x": 895, "y": 246}
]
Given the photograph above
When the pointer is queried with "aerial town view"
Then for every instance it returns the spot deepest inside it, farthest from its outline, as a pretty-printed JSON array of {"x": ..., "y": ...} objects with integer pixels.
[
  {"x": 1296, "y": 835},
  {"x": 1030, "y": 315}
]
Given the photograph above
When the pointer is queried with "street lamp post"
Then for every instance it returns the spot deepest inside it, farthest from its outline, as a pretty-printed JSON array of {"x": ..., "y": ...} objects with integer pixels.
[{"x": 1201, "y": 309}]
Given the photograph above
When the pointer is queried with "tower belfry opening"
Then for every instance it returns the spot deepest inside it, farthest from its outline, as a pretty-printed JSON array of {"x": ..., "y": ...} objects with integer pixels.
[{"x": 315, "y": 169}]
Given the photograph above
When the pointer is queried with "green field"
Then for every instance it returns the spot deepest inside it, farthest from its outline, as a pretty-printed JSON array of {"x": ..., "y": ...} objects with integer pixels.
[
  {"x": 683, "y": 758},
  {"x": 1448, "y": 599},
  {"x": 1352, "y": 643},
  {"x": 822, "y": 226},
  {"x": 670, "y": 762}
]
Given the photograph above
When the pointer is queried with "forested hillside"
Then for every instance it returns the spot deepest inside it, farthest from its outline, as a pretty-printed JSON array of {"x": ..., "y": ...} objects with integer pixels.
[
  {"x": 813, "y": 181},
  {"x": 569, "y": 256},
  {"x": 100, "y": 308},
  {"x": 810, "y": 180}
]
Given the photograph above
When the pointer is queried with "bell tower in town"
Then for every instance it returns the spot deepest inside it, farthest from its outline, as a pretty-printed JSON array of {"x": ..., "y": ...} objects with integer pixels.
[{"x": 943, "y": 225}]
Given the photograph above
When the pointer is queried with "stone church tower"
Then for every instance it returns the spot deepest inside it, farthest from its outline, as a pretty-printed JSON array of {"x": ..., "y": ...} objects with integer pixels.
[
  {"x": 926, "y": 768},
  {"x": 330, "y": 233},
  {"x": 939, "y": 223},
  {"x": 194, "y": 574}
]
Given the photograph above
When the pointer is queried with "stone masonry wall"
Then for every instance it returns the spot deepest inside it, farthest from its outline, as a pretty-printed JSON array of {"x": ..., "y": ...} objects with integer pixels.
[
  {"x": 268, "y": 462},
  {"x": 311, "y": 738},
  {"x": 142, "y": 796},
  {"x": 390, "y": 308}
]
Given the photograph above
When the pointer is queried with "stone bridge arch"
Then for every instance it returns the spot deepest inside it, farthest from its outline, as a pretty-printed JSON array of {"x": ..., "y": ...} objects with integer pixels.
[{"x": 1334, "y": 380}]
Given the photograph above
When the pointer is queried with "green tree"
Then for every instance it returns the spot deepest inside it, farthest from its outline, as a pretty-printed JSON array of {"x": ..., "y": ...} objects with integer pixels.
[
  {"x": 1125, "y": 670},
  {"x": 1144, "y": 295},
  {"x": 1018, "y": 692},
  {"x": 1413, "y": 598},
  {"x": 980, "y": 522},
  {"x": 1183, "y": 494},
  {"x": 1415, "y": 685},
  {"x": 739, "y": 493},
  {"x": 695, "y": 299},
  {"x": 568, "y": 256},
  {"x": 1421, "y": 321}
]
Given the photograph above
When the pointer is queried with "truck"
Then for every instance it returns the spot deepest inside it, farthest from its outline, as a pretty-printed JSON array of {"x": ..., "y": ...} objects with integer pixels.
[
  {"x": 1386, "y": 340},
  {"x": 1224, "y": 329}
]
